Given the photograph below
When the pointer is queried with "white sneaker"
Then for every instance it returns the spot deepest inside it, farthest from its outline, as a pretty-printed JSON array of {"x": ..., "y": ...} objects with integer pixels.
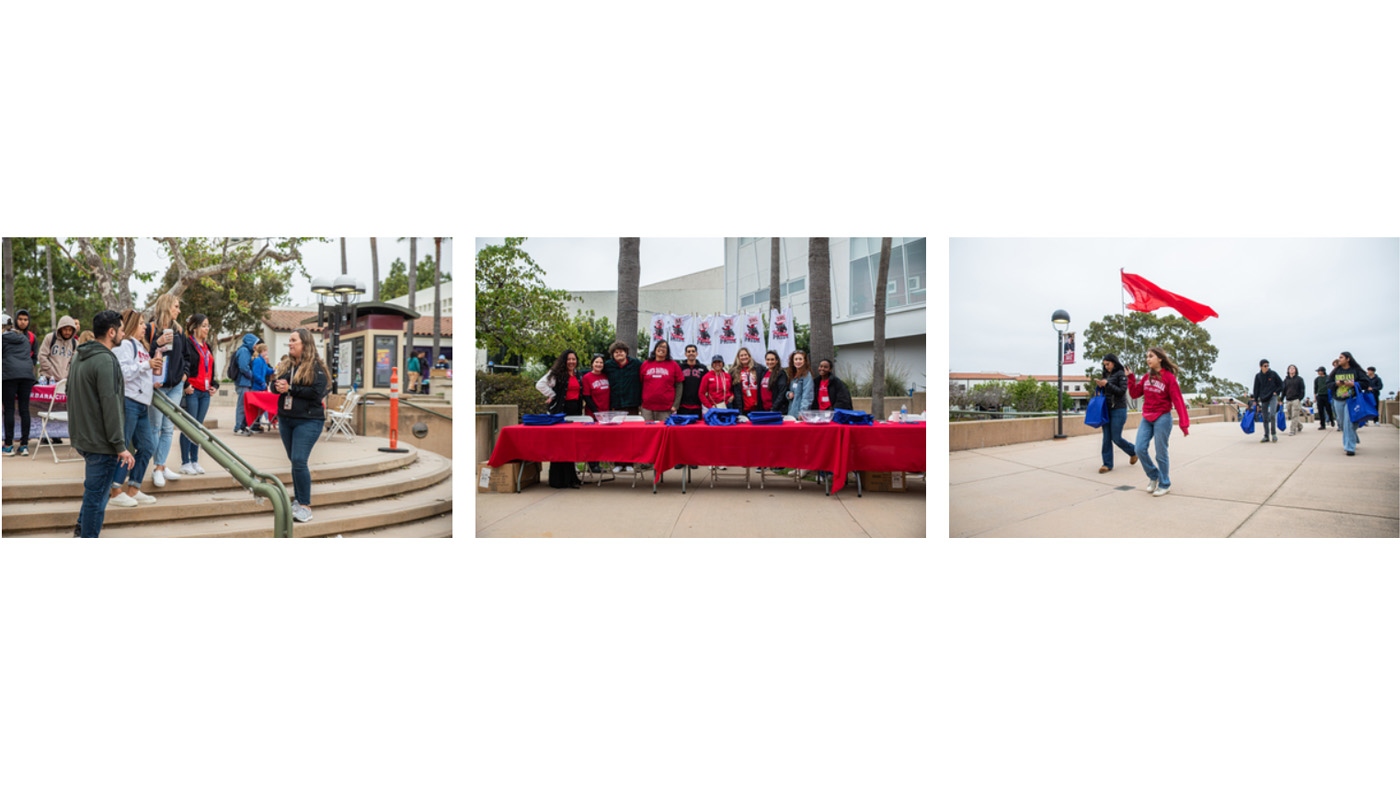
[
  {"x": 143, "y": 498},
  {"x": 617, "y": 468},
  {"x": 1152, "y": 486},
  {"x": 159, "y": 477},
  {"x": 198, "y": 470},
  {"x": 187, "y": 469},
  {"x": 170, "y": 474},
  {"x": 629, "y": 468},
  {"x": 1161, "y": 491},
  {"x": 123, "y": 500}
]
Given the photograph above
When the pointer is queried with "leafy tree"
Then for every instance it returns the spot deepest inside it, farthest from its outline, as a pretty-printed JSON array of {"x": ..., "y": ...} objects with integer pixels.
[
  {"x": 1025, "y": 395},
  {"x": 1186, "y": 343},
  {"x": 989, "y": 396},
  {"x": 396, "y": 285},
  {"x": 73, "y": 292},
  {"x": 516, "y": 313},
  {"x": 585, "y": 334},
  {"x": 1219, "y": 387},
  {"x": 235, "y": 302},
  {"x": 1046, "y": 394},
  {"x": 957, "y": 395}
]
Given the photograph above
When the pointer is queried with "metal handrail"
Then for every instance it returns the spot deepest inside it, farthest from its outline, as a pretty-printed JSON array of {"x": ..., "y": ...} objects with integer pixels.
[
  {"x": 401, "y": 400},
  {"x": 258, "y": 482}
]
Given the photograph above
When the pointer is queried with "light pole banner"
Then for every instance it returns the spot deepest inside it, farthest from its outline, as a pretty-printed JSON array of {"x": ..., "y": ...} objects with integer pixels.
[
  {"x": 1068, "y": 355},
  {"x": 658, "y": 330},
  {"x": 727, "y": 327},
  {"x": 782, "y": 335}
]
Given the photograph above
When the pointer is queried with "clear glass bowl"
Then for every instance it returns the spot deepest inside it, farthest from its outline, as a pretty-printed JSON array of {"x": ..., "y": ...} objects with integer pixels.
[
  {"x": 817, "y": 415},
  {"x": 610, "y": 417}
]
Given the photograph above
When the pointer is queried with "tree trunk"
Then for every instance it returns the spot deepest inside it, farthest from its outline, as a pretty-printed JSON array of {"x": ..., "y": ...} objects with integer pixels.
[
  {"x": 7, "y": 254},
  {"x": 437, "y": 297},
  {"x": 877, "y": 370},
  {"x": 344, "y": 268},
  {"x": 774, "y": 276},
  {"x": 48, "y": 266},
  {"x": 629, "y": 279},
  {"x": 374, "y": 264},
  {"x": 819, "y": 277},
  {"x": 412, "y": 305}
]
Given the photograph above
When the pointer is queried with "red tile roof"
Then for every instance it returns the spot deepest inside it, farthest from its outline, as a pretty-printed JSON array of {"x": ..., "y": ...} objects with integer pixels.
[
  {"x": 423, "y": 326},
  {"x": 284, "y": 320}
]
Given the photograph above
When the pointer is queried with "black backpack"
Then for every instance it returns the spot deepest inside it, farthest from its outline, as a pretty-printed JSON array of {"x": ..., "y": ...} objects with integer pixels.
[{"x": 233, "y": 370}]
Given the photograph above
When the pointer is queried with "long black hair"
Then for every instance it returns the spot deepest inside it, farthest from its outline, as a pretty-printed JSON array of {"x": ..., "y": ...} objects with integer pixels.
[
  {"x": 1117, "y": 365},
  {"x": 560, "y": 371}
]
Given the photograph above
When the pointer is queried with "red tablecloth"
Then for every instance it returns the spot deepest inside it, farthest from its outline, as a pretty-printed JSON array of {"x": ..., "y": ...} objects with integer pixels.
[
  {"x": 635, "y": 442},
  {"x": 255, "y": 403},
  {"x": 795, "y": 445},
  {"x": 886, "y": 447},
  {"x": 43, "y": 394}
]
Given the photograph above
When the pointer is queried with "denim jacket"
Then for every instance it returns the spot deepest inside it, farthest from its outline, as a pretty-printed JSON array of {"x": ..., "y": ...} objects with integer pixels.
[{"x": 804, "y": 395}]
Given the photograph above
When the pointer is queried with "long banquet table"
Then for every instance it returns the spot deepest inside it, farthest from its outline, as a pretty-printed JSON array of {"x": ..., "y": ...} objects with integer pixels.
[{"x": 837, "y": 449}]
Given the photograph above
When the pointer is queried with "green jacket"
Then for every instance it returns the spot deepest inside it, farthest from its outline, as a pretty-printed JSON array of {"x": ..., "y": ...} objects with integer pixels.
[{"x": 96, "y": 401}]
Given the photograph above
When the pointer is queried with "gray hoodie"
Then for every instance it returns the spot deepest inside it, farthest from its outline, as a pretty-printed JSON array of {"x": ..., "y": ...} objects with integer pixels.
[{"x": 15, "y": 361}]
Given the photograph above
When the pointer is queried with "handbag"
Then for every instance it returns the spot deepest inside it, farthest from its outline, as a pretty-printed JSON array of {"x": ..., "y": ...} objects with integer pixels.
[
  {"x": 1282, "y": 421},
  {"x": 1247, "y": 421},
  {"x": 1097, "y": 413},
  {"x": 1361, "y": 406}
]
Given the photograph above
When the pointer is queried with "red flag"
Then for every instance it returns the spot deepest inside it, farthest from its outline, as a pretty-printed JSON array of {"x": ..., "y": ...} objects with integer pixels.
[{"x": 1148, "y": 296}]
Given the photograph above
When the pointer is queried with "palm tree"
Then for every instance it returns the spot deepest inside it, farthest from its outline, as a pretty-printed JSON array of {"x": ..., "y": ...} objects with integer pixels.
[
  {"x": 774, "y": 277},
  {"x": 819, "y": 274},
  {"x": 412, "y": 298},
  {"x": 629, "y": 280},
  {"x": 877, "y": 370},
  {"x": 437, "y": 296},
  {"x": 7, "y": 254},
  {"x": 344, "y": 269},
  {"x": 374, "y": 262}
]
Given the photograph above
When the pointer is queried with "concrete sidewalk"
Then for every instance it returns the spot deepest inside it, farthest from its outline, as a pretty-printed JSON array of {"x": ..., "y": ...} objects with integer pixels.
[
  {"x": 729, "y": 510},
  {"x": 1224, "y": 483}
]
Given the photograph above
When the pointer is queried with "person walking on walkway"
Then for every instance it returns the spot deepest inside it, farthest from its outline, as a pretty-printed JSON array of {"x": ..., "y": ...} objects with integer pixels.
[
  {"x": 1115, "y": 390},
  {"x": 241, "y": 370},
  {"x": 1345, "y": 380},
  {"x": 96, "y": 415},
  {"x": 563, "y": 388},
  {"x": 1267, "y": 387},
  {"x": 1161, "y": 394},
  {"x": 624, "y": 375},
  {"x": 18, "y": 381},
  {"x": 301, "y": 413},
  {"x": 138, "y": 386},
  {"x": 415, "y": 369},
  {"x": 1324, "y": 403},
  {"x": 198, "y": 389},
  {"x": 167, "y": 339},
  {"x": 1376, "y": 386},
  {"x": 1293, "y": 390}
]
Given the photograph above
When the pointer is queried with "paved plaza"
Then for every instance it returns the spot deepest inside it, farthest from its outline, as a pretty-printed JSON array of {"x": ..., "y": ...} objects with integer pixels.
[{"x": 1225, "y": 483}]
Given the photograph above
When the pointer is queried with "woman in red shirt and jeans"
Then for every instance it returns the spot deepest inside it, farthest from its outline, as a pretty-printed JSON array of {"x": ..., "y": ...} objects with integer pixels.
[
  {"x": 1163, "y": 393},
  {"x": 198, "y": 388}
]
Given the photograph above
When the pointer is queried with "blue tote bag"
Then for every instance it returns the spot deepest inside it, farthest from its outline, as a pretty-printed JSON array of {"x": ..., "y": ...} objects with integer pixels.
[
  {"x": 1282, "y": 421},
  {"x": 1247, "y": 421},
  {"x": 1097, "y": 414},
  {"x": 1362, "y": 408}
]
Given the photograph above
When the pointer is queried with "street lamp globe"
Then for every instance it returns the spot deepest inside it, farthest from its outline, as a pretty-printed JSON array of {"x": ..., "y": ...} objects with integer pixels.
[
  {"x": 323, "y": 286},
  {"x": 345, "y": 286},
  {"x": 1060, "y": 317}
]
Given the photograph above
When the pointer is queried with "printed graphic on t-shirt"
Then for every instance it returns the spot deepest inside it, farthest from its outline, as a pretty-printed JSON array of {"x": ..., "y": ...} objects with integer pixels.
[
  {"x": 704, "y": 334},
  {"x": 1344, "y": 391}
]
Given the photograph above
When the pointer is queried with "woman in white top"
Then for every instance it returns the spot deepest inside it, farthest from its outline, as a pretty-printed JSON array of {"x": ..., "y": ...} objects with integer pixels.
[{"x": 137, "y": 368}]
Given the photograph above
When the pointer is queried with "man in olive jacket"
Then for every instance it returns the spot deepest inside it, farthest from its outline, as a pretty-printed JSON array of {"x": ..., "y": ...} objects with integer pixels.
[{"x": 96, "y": 418}]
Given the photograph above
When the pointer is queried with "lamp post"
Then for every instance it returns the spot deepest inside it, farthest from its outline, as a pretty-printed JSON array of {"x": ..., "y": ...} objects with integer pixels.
[
  {"x": 1060, "y": 321},
  {"x": 335, "y": 307}
]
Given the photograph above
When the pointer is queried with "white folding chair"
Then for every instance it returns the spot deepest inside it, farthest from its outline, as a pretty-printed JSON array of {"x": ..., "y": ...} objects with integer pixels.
[
  {"x": 52, "y": 416},
  {"x": 342, "y": 420}
]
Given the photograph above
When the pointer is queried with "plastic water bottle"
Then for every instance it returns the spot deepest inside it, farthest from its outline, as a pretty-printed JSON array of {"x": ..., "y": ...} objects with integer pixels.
[{"x": 903, "y": 413}]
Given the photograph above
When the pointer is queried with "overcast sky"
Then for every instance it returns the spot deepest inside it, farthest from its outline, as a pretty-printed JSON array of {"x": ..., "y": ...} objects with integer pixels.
[
  {"x": 591, "y": 264},
  {"x": 1292, "y": 301},
  {"x": 320, "y": 258}
]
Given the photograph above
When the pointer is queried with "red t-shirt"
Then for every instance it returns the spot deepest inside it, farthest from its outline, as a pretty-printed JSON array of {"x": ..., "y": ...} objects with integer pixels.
[
  {"x": 749, "y": 378},
  {"x": 573, "y": 392},
  {"x": 714, "y": 388},
  {"x": 767, "y": 395},
  {"x": 659, "y": 379},
  {"x": 200, "y": 380},
  {"x": 596, "y": 386},
  {"x": 823, "y": 395}
]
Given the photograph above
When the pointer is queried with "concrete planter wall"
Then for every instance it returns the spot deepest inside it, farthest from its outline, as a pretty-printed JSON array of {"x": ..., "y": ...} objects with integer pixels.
[{"x": 996, "y": 432}]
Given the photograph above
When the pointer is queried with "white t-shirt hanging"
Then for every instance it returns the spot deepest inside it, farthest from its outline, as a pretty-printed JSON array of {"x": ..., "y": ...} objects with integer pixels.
[
  {"x": 680, "y": 331},
  {"x": 782, "y": 334},
  {"x": 726, "y": 328},
  {"x": 751, "y": 336},
  {"x": 658, "y": 330},
  {"x": 705, "y": 341}
]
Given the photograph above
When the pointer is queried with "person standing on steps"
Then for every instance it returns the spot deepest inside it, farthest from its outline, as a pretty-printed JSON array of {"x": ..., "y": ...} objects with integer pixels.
[
  {"x": 1115, "y": 389},
  {"x": 198, "y": 388},
  {"x": 301, "y": 413},
  {"x": 1324, "y": 403},
  {"x": 1161, "y": 393},
  {"x": 138, "y": 367},
  {"x": 96, "y": 418},
  {"x": 1267, "y": 387},
  {"x": 165, "y": 338},
  {"x": 1293, "y": 390},
  {"x": 1345, "y": 380}
]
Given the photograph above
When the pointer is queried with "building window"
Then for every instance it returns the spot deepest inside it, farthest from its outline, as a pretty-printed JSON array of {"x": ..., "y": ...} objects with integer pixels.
[{"x": 906, "y": 276}]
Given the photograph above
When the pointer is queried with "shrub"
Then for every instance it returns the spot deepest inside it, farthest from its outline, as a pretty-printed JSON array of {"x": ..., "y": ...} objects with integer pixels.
[{"x": 509, "y": 390}]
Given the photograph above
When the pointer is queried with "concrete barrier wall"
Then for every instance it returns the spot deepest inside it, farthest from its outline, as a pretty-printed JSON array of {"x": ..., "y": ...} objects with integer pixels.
[
  {"x": 438, "y": 440},
  {"x": 997, "y": 432},
  {"x": 505, "y": 415},
  {"x": 916, "y": 404}
]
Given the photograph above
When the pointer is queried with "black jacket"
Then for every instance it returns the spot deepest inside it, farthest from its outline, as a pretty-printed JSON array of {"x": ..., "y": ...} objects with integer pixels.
[
  {"x": 690, "y": 391},
  {"x": 1115, "y": 392},
  {"x": 624, "y": 383},
  {"x": 1294, "y": 388},
  {"x": 308, "y": 401},
  {"x": 557, "y": 405},
  {"x": 177, "y": 358},
  {"x": 1266, "y": 385},
  {"x": 777, "y": 386},
  {"x": 1320, "y": 388},
  {"x": 1376, "y": 384},
  {"x": 840, "y": 395}
]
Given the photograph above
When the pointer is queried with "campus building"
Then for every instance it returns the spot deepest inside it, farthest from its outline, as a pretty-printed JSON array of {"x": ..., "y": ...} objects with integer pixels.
[
  {"x": 1078, "y": 387},
  {"x": 855, "y": 264}
]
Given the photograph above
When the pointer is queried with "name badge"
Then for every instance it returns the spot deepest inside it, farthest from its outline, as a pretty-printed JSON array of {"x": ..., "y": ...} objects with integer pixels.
[{"x": 287, "y": 404}]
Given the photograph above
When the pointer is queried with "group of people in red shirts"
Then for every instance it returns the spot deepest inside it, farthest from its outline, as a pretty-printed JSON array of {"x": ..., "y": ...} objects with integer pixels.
[{"x": 661, "y": 386}]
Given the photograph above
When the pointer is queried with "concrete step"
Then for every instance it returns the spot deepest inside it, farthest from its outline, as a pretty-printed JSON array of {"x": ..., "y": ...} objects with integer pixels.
[
  {"x": 198, "y": 502},
  {"x": 388, "y": 513},
  {"x": 432, "y": 528}
]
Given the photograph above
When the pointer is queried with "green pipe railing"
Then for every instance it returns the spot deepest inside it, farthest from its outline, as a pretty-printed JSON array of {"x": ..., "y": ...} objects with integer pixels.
[{"x": 261, "y": 484}]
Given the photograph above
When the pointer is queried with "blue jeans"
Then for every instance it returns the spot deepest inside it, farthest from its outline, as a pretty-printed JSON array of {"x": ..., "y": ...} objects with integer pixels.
[
  {"x": 197, "y": 403},
  {"x": 162, "y": 427},
  {"x": 298, "y": 437},
  {"x": 239, "y": 418},
  {"x": 1156, "y": 431},
  {"x": 1339, "y": 407},
  {"x": 138, "y": 440},
  {"x": 1113, "y": 434},
  {"x": 97, "y": 483}
]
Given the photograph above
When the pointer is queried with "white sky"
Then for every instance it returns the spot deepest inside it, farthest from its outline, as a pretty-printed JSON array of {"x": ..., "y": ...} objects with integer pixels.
[
  {"x": 591, "y": 264},
  {"x": 1292, "y": 301},
  {"x": 320, "y": 258}
]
